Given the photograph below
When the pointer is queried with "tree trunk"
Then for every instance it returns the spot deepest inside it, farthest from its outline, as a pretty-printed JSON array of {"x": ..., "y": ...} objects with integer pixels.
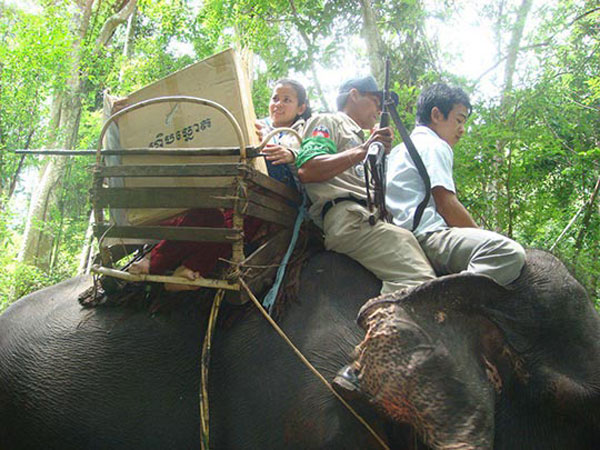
[
  {"x": 246, "y": 60},
  {"x": 66, "y": 115},
  {"x": 375, "y": 48},
  {"x": 309, "y": 45},
  {"x": 128, "y": 47},
  {"x": 13, "y": 180},
  {"x": 35, "y": 245},
  {"x": 66, "y": 110},
  {"x": 503, "y": 149},
  {"x": 87, "y": 248},
  {"x": 515, "y": 43}
]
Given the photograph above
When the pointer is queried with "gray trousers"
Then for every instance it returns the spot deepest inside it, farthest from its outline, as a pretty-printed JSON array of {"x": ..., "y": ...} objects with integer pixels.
[
  {"x": 474, "y": 250},
  {"x": 392, "y": 253}
]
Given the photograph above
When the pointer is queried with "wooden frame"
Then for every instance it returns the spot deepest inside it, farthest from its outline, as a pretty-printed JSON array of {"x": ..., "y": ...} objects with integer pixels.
[{"x": 241, "y": 188}]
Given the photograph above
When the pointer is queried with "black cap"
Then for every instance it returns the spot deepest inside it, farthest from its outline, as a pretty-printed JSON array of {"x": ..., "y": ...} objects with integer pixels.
[{"x": 363, "y": 85}]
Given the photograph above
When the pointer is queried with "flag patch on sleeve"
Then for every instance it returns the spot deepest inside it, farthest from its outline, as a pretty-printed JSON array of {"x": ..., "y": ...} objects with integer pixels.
[{"x": 321, "y": 131}]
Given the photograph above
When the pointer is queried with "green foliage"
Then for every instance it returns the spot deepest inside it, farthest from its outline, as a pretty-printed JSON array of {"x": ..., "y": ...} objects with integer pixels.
[
  {"x": 261, "y": 94},
  {"x": 18, "y": 280},
  {"x": 529, "y": 164},
  {"x": 33, "y": 53}
]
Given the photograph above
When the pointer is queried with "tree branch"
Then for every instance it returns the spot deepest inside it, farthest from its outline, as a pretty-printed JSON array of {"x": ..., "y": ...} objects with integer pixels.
[
  {"x": 562, "y": 142},
  {"x": 503, "y": 58},
  {"x": 113, "y": 22},
  {"x": 297, "y": 21},
  {"x": 581, "y": 16},
  {"x": 591, "y": 108},
  {"x": 15, "y": 176},
  {"x": 546, "y": 43},
  {"x": 586, "y": 217},
  {"x": 569, "y": 225}
]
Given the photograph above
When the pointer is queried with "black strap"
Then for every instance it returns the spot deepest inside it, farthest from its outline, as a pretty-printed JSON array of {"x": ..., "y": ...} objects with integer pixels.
[
  {"x": 418, "y": 163},
  {"x": 327, "y": 206}
]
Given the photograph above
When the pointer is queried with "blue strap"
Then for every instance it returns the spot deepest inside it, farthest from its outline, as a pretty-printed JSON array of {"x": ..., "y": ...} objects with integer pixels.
[{"x": 269, "y": 300}]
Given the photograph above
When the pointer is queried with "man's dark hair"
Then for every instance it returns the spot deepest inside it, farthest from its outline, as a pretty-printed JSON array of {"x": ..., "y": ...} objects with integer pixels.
[
  {"x": 302, "y": 96},
  {"x": 442, "y": 96}
]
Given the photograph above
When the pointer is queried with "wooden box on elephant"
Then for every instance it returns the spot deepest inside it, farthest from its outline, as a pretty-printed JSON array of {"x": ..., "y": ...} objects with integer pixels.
[
  {"x": 177, "y": 145},
  {"x": 181, "y": 125}
]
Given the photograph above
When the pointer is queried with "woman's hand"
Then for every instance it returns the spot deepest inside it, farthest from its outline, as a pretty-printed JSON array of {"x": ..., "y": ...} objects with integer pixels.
[{"x": 278, "y": 154}]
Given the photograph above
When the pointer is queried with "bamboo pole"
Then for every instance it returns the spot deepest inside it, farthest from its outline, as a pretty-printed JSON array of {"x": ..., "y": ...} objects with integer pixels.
[{"x": 203, "y": 282}]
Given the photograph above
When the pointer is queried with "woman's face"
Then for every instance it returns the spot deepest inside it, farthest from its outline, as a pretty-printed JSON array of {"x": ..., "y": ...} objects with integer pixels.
[{"x": 283, "y": 107}]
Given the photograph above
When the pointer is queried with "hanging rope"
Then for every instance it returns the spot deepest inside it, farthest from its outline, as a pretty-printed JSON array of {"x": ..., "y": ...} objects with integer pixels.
[
  {"x": 308, "y": 364},
  {"x": 269, "y": 300},
  {"x": 204, "y": 366}
]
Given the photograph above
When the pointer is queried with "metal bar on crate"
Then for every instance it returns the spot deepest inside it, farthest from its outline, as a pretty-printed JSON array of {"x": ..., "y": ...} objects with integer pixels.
[{"x": 251, "y": 152}]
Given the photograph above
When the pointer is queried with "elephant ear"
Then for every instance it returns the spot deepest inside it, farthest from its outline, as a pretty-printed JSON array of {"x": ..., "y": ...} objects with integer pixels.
[{"x": 422, "y": 360}]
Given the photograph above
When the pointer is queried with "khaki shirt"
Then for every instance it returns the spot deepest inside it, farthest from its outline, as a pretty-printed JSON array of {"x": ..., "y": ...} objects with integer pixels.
[{"x": 346, "y": 134}]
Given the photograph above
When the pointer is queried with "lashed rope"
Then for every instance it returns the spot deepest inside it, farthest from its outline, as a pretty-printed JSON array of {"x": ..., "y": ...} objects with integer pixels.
[
  {"x": 204, "y": 366},
  {"x": 269, "y": 300},
  {"x": 309, "y": 365}
]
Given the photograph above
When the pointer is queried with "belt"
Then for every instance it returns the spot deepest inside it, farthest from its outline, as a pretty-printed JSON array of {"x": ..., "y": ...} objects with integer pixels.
[{"x": 327, "y": 206}]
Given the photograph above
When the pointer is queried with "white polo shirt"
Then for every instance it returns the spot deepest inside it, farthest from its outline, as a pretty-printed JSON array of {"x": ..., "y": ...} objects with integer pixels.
[{"x": 405, "y": 188}]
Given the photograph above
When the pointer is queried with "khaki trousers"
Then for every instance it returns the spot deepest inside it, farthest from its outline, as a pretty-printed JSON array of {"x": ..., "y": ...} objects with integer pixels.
[
  {"x": 474, "y": 250},
  {"x": 392, "y": 253}
]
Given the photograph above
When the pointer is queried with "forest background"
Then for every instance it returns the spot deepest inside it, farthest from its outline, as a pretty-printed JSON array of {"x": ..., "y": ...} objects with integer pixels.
[{"x": 527, "y": 167}]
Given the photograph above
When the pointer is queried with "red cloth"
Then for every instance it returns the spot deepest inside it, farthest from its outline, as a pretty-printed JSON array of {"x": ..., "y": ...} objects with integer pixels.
[{"x": 200, "y": 257}]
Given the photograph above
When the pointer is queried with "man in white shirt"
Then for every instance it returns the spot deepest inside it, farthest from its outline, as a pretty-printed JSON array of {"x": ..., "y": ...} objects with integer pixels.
[{"x": 446, "y": 231}]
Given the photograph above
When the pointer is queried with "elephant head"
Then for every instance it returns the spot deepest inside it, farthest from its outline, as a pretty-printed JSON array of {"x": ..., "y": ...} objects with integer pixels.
[{"x": 473, "y": 365}]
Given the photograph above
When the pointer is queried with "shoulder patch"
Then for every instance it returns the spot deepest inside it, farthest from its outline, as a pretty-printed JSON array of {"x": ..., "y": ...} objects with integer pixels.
[{"x": 321, "y": 131}]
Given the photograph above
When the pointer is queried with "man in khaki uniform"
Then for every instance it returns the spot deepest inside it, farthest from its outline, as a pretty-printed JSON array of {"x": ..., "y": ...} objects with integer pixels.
[{"x": 330, "y": 166}]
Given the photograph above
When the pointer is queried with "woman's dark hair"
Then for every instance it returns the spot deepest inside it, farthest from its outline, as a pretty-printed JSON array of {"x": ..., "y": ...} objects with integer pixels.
[
  {"x": 300, "y": 93},
  {"x": 442, "y": 96}
]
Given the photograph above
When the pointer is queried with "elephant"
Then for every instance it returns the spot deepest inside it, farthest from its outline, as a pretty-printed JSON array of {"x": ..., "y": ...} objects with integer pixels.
[{"x": 459, "y": 361}]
